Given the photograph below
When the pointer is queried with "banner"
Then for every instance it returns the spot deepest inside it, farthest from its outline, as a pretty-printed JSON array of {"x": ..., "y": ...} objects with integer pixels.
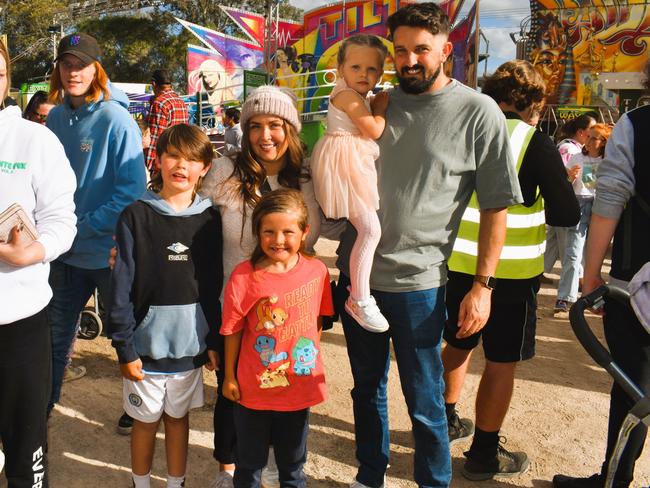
[
  {"x": 574, "y": 46},
  {"x": 211, "y": 74},
  {"x": 237, "y": 52},
  {"x": 463, "y": 57},
  {"x": 305, "y": 48},
  {"x": 253, "y": 26}
]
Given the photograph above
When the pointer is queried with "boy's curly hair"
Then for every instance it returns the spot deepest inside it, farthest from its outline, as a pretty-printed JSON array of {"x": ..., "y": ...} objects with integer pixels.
[{"x": 516, "y": 83}]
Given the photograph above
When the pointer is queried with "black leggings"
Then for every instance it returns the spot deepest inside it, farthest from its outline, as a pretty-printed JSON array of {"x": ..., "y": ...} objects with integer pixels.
[
  {"x": 224, "y": 425},
  {"x": 629, "y": 345},
  {"x": 25, "y": 379}
]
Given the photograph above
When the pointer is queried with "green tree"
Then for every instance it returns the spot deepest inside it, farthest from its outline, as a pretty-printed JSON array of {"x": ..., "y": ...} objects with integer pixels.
[
  {"x": 26, "y": 24},
  {"x": 134, "y": 46},
  {"x": 208, "y": 13}
]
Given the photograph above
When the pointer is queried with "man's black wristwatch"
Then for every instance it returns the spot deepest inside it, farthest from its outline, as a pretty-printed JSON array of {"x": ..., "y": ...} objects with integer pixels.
[{"x": 489, "y": 282}]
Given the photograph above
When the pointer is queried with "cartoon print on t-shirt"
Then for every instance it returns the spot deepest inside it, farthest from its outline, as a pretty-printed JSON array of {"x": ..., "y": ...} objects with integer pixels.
[
  {"x": 270, "y": 317},
  {"x": 304, "y": 355},
  {"x": 275, "y": 378},
  {"x": 265, "y": 345}
]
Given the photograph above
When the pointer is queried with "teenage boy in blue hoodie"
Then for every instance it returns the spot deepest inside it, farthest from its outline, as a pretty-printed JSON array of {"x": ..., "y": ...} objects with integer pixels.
[{"x": 104, "y": 146}]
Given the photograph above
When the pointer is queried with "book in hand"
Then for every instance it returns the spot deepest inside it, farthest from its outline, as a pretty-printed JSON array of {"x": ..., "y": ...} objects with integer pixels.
[{"x": 14, "y": 216}]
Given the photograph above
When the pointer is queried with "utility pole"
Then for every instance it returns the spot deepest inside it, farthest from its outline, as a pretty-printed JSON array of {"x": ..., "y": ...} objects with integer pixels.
[{"x": 56, "y": 31}]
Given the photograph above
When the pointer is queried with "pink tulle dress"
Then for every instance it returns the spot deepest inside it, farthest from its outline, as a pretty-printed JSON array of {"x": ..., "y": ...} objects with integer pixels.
[{"x": 343, "y": 165}]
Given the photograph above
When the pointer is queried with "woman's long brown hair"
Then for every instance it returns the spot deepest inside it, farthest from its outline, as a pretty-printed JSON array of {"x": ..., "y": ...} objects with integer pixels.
[{"x": 250, "y": 175}]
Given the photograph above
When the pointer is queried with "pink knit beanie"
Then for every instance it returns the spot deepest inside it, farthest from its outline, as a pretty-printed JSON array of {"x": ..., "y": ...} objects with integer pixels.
[{"x": 271, "y": 100}]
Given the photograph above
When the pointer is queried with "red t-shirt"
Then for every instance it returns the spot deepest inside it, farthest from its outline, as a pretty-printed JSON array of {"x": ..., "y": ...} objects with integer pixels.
[{"x": 280, "y": 366}]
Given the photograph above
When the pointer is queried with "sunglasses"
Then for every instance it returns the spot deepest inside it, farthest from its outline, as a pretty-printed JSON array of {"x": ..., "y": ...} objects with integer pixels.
[{"x": 41, "y": 117}]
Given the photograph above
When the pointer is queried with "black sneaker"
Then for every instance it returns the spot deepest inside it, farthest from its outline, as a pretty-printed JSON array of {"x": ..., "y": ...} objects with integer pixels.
[
  {"x": 593, "y": 481},
  {"x": 505, "y": 464},
  {"x": 459, "y": 429},
  {"x": 125, "y": 424}
]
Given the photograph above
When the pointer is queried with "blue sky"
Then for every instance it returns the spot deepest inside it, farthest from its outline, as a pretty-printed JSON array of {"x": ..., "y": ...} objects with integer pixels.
[{"x": 498, "y": 19}]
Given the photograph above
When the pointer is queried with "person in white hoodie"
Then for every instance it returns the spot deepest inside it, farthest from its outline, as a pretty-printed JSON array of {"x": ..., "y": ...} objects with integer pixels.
[{"x": 36, "y": 174}]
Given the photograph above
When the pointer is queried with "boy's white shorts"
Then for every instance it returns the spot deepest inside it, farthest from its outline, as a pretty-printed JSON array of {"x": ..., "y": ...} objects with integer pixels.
[{"x": 174, "y": 393}]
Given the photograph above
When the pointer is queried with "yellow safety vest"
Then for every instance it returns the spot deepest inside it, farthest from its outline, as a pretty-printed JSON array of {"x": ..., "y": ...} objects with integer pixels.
[{"x": 522, "y": 255}]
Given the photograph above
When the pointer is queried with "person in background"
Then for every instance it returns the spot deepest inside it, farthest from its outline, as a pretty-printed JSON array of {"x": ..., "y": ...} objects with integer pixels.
[
  {"x": 38, "y": 108},
  {"x": 621, "y": 210},
  {"x": 36, "y": 174},
  {"x": 509, "y": 335},
  {"x": 233, "y": 133},
  {"x": 581, "y": 168},
  {"x": 166, "y": 109},
  {"x": 103, "y": 144},
  {"x": 572, "y": 136}
]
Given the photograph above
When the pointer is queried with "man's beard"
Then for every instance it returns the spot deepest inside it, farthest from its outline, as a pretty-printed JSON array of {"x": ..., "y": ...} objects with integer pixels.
[{"x": 415, "y": 86}]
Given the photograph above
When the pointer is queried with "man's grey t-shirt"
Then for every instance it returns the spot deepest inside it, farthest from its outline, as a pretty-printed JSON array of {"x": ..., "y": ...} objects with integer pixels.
[{"x": 437, "y": 149}]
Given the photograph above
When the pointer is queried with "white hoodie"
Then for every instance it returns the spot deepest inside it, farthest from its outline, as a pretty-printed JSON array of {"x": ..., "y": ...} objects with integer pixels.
[{"x": 35, "y": 173}]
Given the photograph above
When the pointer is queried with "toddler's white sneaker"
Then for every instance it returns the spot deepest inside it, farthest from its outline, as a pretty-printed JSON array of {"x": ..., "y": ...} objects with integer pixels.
[{"x": 367, "y": 314}]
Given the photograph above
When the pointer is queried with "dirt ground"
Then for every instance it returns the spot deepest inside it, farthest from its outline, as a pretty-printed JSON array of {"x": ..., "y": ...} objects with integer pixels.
[{"x": 558, "y": 417}]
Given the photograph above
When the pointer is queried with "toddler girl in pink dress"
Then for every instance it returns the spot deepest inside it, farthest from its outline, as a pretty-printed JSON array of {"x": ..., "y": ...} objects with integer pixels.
[{"x": 343, "y": 165}]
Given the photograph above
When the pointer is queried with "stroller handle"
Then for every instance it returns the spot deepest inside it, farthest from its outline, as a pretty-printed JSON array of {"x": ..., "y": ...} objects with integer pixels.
[{"x": 591, "y": 343}]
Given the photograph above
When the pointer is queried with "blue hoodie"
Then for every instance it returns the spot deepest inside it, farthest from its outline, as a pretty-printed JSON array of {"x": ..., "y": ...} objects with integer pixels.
[{"x": 104, "y": 146}]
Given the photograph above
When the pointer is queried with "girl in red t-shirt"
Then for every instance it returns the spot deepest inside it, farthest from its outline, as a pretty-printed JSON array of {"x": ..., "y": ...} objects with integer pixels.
[{"x": 271, "y": 322}]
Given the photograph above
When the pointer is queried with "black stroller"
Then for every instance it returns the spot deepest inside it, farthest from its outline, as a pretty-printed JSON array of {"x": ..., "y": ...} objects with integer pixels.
[{"x": 640, "y": 412}]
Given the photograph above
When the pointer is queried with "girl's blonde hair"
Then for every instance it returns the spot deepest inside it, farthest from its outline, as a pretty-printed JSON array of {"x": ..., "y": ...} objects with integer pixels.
[
  {"x": 363, "y": 40},
  {"x": 284, "y": 200},
  {"x": 191, "y": 143},
  {"x": 5, "y": 54},
  {"x": 98, "y": 87}
]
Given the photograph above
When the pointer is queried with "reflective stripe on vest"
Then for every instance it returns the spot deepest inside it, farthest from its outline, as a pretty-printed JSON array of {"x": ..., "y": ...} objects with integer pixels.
[{"x": 523, "y": 251}]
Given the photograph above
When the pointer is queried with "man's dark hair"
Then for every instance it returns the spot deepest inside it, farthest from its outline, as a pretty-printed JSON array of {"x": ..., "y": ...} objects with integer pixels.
[
  {"x": 233, "y": 113},
  {"x": 427, "y": 16}
]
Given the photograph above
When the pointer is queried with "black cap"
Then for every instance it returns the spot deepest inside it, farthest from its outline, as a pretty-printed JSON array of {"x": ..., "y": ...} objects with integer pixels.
[
  {"x": 81, "y": 45},
  {"x": 161, "y": 77}
]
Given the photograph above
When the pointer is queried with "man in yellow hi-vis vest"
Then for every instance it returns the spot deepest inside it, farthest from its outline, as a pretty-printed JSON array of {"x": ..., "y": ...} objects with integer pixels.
[{"x": 509, "y": 335}]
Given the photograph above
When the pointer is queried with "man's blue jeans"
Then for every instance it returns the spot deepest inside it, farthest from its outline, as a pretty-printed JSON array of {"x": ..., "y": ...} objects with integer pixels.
[
  {"x": 416, "y": 323},
  {"x": 71, "y": 287}
]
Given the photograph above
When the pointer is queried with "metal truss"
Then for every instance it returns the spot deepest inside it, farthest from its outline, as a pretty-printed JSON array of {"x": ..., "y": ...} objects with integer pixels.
[{"x": 89, "y": 8}]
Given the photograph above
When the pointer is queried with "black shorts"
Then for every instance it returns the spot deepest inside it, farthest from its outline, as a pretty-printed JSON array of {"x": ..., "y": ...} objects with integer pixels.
[{"x": 509, "y": 335}]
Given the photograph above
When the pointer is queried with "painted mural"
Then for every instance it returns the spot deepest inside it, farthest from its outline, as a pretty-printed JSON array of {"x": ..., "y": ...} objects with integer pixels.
[
  {"x": 574, "y": 43},
  {"x": 303, "y": 49}
]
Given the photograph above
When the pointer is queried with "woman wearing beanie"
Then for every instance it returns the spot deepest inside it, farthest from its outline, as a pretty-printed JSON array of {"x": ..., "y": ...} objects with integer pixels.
[
  {"x": 271, "y": 157},
  {"x": 104, "y": 146},
  {"x": 34, "y": 173}
]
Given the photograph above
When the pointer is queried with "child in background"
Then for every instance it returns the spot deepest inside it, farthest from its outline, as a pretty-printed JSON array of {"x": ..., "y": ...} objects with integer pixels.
[
  {"x": 165, "y": 312},
  {"x": 589, "y": 159},
  {"x": 581, "y": 168},
  {"x": 271, "y": 323},
  {"x": 343, "y": 165}
]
